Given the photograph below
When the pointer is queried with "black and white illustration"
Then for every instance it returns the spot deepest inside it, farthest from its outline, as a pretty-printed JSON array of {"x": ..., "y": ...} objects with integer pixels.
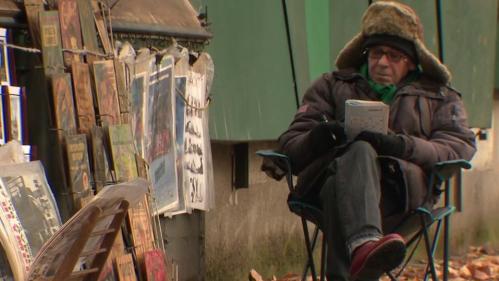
[{"x": 194, "y": 170}]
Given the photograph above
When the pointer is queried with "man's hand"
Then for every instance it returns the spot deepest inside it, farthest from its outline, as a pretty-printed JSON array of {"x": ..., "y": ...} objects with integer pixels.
[
  {"x": 327, "y": 135},
  {"x": 390, "y": 145}
]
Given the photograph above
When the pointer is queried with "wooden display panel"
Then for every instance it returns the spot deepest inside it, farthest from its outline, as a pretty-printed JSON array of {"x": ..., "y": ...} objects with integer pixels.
[
  {"x": 106, "y": 92},
  {"x": 125, "y": 268},
  {"x": 79, "y": 169},
  {"x": 123, "y": 151},
  {"x": 51, "y": 43},
  {"x": 70, "y": 30},
  {"x": 89, "y": 33},
  {"x": 63, "y": 105},
  {"x": 83, "y": 97}
]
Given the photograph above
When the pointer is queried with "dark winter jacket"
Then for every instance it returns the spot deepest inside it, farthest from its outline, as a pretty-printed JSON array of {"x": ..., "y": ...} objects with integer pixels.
[{"x": 430, "y": 118}]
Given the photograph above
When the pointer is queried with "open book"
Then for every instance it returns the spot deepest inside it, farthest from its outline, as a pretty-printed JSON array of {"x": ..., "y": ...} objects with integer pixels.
[{"x": 363, "y": 115}]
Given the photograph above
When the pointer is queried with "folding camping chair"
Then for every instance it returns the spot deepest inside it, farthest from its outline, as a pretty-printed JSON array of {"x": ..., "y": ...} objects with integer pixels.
[{"x": 417, "y": 223}]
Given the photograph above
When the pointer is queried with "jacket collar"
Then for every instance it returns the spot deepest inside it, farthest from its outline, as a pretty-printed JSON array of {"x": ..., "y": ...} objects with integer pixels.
[{"x": 424, "y": 84}]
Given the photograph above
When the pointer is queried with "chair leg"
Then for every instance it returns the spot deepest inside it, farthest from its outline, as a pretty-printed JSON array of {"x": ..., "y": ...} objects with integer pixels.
[
  {"x": 428, "y": 251},
  {"x": 446, "y": 248},
  {"x": 310, "y": 248},
  {"x": 323, "y": 258}
]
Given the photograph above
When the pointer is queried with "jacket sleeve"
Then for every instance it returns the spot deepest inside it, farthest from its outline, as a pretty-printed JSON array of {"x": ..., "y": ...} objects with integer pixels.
[
  {"x": 295, "y": 142},
  {"x": 450, "y": 139}
]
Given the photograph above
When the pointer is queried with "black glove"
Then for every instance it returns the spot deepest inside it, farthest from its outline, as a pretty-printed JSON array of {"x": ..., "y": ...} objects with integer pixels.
[
  {"x": 327, "y": 135},
  {"x": 390, "y": 145}
]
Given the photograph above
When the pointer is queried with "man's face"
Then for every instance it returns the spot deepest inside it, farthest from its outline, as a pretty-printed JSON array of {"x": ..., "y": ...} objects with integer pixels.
[{"x": 388, "y": 65}]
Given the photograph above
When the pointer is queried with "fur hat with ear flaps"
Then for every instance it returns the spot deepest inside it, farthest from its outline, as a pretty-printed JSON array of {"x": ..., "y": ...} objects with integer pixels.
[{"x": 396, "y": 19}]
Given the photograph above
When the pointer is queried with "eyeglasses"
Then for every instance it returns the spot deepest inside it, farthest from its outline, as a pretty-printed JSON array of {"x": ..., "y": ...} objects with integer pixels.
[{"x": 377, "y": 54}]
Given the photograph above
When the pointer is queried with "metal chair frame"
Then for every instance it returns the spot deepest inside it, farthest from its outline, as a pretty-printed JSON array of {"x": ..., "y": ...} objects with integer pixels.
[{"x": 442, "y": 173}]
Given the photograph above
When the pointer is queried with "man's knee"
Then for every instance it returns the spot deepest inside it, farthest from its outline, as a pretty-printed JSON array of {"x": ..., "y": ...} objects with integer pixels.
[{"x": 361, "y": 150}]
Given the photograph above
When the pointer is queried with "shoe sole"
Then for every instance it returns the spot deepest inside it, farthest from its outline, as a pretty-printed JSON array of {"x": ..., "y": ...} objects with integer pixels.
[{"x": 383, "y": 259}]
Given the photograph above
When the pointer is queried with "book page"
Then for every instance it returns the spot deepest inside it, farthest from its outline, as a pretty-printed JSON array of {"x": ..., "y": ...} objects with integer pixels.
[{"x": 361, "y": 115}]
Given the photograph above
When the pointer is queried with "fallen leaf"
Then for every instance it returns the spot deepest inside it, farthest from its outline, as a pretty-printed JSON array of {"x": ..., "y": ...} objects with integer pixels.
[{"x": 480, "y": 275}]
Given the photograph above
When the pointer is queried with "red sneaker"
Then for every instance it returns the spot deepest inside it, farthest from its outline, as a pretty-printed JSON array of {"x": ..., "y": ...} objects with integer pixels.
[{"x": 372, "y": 259}]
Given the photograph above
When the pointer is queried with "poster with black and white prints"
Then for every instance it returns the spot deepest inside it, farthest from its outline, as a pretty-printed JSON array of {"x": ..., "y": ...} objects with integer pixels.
[
  {"x": 33, "y": 201},
  {"x": 29, "y": 214},
  {"x": 160, "y": 145},
  {"x": 194, "y": 170}
]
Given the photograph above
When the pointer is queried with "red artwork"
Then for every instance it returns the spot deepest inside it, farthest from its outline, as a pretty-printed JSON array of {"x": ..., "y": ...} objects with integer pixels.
[{"x": 155, "y": 265}]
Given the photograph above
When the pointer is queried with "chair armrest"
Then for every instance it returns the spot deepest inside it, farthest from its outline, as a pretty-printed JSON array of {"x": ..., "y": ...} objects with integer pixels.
[
  {"x": 279, "y": 160},
  {"x": 443, "y": 172},
  {"x": 446, "y": 169}
]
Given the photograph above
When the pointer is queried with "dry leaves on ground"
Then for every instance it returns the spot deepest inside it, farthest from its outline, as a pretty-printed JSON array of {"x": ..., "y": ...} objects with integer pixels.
[{"x": 480, "y": 263}]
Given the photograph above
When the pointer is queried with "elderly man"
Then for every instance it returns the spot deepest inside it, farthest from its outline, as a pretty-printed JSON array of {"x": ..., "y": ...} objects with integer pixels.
[{"x": 387, "y": 61}]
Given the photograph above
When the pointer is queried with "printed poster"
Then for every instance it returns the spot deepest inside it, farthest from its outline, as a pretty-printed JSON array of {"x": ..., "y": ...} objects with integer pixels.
[
  {"x": 29, "y": 212},
  {"x": 195, "y": 157},
  {"x": 160, "y": 145}
]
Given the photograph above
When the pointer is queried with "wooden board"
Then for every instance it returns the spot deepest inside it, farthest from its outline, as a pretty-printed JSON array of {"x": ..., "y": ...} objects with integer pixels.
[
  {"x": 123, "y": 93},
  {"x": 79, "y": 169},
  {"x": 101, "y": 27},
  {"x": 84, "y": 101},
  {"x": 99, "y": 157},
  {"x": 155, "y": 267},
  {"x": 63, "y": 105},
  {"x": 70, "y": 30},
  {"x": 139, "y": 221},
  {"x": 125, "y": 268},
  {"x": 33, "y": 9},
  {"x": 51, "y": 43},
  {"x": 123, "y": 152},
  {"x": 106, "y": 92},
  {"x": 89, "y": 33}
]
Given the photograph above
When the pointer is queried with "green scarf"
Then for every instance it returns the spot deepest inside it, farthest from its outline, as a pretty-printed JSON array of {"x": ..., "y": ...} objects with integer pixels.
[{"x": 386, "y": 93}]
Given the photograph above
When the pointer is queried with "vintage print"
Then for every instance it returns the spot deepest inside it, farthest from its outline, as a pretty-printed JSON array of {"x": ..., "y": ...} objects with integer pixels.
[
  {"x": 13, "y": 235},
  {"x": 160, "y": 146},
  {"x": 194, "y": 171},
  {"x": 32, "y": 201}
]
